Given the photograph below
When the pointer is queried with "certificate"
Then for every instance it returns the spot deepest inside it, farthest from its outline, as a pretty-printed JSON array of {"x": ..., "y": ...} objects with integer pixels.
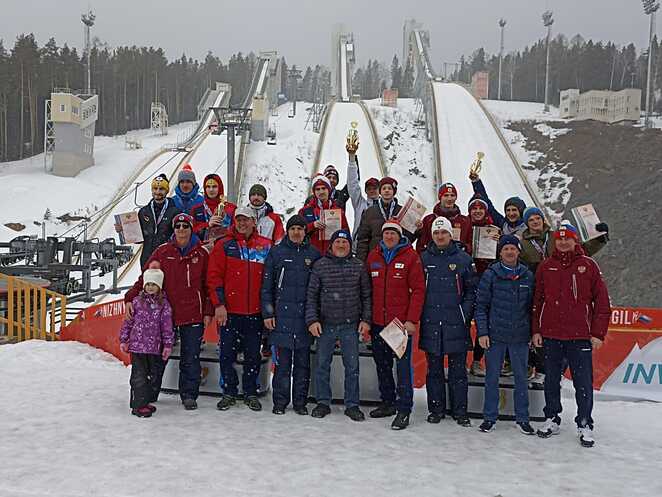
[
  {"x": 131, "y": 231},
  {"x": 485, "y": 240},
  {"x": 332, "y": 219},
  {"x": 410, "y": 214},
  {"x": 586, "y": 219},
  {"x": 395, "y": 335}
]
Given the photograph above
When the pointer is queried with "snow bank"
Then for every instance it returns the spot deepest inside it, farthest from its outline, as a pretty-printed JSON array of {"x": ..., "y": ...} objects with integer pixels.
[
  {"x": 67, "y": 432},
  {"x": 408, "y": 154},
  {"x": 284, "y": 168},
  {"x": 28, "y": 190}
]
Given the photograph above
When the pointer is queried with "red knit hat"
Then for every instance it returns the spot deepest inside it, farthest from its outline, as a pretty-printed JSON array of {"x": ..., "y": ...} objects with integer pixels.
[
  {"x": 447, "y": 188},
  {"x": 387, "y": 180},
  {"x": 322, "y": 180},
  {"x": 566, "y": 230},
  {"x": 371, "y": 182}
]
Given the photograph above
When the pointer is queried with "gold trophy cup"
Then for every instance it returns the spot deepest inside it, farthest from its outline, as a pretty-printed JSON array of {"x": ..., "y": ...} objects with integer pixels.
[
  {"x": 216, "y": 232},
  {"x": 353, "y": 137},
  {"x": 477, "y": 165}
]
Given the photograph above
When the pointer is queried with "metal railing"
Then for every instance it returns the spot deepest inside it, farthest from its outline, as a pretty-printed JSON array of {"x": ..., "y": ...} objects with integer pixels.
[{"x": 29, "y": 311}]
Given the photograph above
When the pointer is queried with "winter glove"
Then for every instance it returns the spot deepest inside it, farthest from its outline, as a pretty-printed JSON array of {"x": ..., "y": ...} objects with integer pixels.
[
  {"x": 602, "y": 227},
  {"x": 166, "y": 353},
  {"x": 124, "y": 347}
]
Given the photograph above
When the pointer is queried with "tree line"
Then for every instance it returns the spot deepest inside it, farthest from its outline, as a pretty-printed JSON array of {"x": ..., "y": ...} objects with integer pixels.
[
  {"x": 127, "y": 79},
  {"x": 574, "y": 63}
]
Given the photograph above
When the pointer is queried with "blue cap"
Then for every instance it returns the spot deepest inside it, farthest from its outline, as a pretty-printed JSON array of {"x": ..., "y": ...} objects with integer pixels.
[
  {"x": 508, "y": 240},
  {"x": 341, "y": 234},
  {"x": 532, "y": 211}
]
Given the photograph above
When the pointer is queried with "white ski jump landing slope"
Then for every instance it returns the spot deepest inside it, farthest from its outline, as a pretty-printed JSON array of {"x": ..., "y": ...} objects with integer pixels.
[
  {"x": 333, "y": 147},
  {"x": 464, "y": 129}
]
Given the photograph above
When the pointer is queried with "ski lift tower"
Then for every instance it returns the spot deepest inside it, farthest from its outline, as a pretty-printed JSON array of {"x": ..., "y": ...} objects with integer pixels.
[{"x": 234, "y": 120}]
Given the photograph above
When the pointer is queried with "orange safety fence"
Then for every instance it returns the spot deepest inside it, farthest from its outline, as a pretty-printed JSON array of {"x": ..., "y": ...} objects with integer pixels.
[{"x": 29, "y": 311}]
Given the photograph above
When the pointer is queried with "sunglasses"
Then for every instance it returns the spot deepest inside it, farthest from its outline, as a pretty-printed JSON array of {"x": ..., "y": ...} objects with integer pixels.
[{"x": 182, "y": 226}]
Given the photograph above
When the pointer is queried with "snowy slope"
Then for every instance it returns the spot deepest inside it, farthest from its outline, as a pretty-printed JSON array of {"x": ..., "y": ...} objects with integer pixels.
[
  {"x": 27, "y": 190},
  {"x": 333, "y": 147},
  {"x": 504, "y": 110},
  {"x": 284, "y": 168},
  {"x": 67, "y": 432},
  {"x": 409, "y": 156},
  {"x": 464, "y": 129}
]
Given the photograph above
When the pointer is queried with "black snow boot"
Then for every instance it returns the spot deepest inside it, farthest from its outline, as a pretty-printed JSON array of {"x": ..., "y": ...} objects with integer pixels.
[
  {"x": 190, "y": 404},
  {"x": 354, "y": 413},
  {"x": 435, "y": 418},
  {"x": 226, "y": 402},
  {"x": 253, "y": 403},
  {"x": 401, "y": 421},
  {"x": 383, "y": 411},
  {"x": 320, "y": 411},
  {"x": 301, "y": 410},
  {"x": 462, "y": 421},
  {"x": 278, "y": 410}
]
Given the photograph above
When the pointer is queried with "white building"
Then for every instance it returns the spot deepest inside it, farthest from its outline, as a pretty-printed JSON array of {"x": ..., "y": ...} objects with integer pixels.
[{"x": 601, "y": 105}]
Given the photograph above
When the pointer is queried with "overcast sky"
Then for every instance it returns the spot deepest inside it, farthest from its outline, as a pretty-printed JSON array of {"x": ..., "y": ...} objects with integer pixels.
[{"x": 300, "y": 29}]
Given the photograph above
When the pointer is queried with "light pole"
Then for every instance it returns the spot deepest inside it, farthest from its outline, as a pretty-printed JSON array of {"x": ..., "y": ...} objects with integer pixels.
[
  {"x": 547, "y": 21},
  {"x": 650, "y": 7},
  {"x": 502, "y": 25}
]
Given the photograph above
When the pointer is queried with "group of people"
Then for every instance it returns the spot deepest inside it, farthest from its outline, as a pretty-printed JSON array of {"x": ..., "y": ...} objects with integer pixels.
[{"x": 540, "y": 304}]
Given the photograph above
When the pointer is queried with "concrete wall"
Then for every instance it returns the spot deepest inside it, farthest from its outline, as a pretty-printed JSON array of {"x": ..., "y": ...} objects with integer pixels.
[{"x": 74, "y": 148}]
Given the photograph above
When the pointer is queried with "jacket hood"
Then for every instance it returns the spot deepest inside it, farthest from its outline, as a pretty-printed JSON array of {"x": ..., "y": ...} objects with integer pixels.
[
  {"x": 389, "y": 254},
  {"x": 217, "y": 178}
]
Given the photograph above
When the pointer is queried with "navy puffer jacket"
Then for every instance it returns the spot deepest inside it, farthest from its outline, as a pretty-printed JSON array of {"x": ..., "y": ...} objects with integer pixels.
[
  {"x": 503, "y": 303},
  {"x": 283, "y": 296},
  {"x": 449, "y": 300}
]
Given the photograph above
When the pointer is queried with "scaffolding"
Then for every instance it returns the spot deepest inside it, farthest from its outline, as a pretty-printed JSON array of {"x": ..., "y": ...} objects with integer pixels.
[
  {"x": 49, "y": 137},
  {"x": 159, "y": 119}
]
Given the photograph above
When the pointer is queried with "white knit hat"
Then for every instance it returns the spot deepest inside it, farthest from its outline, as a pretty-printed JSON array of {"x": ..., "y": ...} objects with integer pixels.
[
  {"x": 392, "y": 224},
  {"x": 441, "y": 223},
  {"x": 153, "y": 276}
]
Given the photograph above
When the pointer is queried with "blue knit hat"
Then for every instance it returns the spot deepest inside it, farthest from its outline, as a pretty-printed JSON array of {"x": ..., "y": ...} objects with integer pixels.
[
  {"x": 532, "y": 211},
  {"x": 508, "y": 240},
  {"x": 341, "y": 234}
]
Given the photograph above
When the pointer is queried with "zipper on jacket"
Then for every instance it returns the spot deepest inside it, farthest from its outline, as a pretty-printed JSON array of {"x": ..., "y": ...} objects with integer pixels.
[
  {"x": 574, "y": 286},
  {"x": 188, "y": 274},
  {"x": 457, "y": 282},
  {"x": 280, "y": 278},
  {"x": 464, "y": 318},
  {"x": 587, "y": 322},
  {"x": 200, "y": 303},
  {"x": 542, "y": 310}
]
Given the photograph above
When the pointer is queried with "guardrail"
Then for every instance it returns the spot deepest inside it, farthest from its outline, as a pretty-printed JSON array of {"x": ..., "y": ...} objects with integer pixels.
[{"x": 30, "y": 310}]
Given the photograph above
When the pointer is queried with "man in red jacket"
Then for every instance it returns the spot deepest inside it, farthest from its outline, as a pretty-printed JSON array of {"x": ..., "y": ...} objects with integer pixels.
[
  {"x": 183, "y": 261},
  {"x": 571, "y": 315},
  {"x": 398, "y": 291},
  {"x": 448, "y": 209},
  {"x": 234, "y": 280}
]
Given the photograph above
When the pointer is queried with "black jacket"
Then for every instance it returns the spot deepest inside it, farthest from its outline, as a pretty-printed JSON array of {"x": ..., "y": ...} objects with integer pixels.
[
  {"x": 153, "y": 235},
  {"x": 339, "y": 292}
]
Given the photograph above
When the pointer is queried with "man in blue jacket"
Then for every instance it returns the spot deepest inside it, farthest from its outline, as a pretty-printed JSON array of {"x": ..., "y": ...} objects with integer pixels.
[
  {"x": 503, "y": 319},
  {"x": 447, "y": 312},
  {"x": 284, "y": 284}
]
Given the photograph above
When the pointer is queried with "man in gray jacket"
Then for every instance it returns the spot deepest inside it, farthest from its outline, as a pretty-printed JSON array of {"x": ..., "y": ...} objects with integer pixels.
[
  {"x": 359, "y": 202},
  {"x": 338, "y": 307}
]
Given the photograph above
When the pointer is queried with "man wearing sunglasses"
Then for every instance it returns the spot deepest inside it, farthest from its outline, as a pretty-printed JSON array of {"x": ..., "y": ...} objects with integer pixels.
[{"x": 183, "y": 261}]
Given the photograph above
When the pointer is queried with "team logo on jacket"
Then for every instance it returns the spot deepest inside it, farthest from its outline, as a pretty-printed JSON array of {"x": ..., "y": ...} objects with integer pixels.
[
  {"x": 374, "y": 274},
  {"x": 307, "y": 261},
  {"x": 581, "y": 269},
  {"x": 195, "y": 260},
  {"x": 399, "y": 265},
  {"x": 452, "y": 267},
  {"x": 146, "y": 218}
]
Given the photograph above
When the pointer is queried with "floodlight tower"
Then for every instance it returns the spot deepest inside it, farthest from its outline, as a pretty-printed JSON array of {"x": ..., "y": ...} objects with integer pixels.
[
  {"x": 88, "y": 21},
  {"x": 650, "y": 7},
  {"x": 502, "y": 25},
  {"x": 547, "y": 21}
]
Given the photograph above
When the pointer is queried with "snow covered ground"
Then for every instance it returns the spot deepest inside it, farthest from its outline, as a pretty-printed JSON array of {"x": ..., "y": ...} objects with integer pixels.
[
  {"x": 333, "y": 147},
  {"x": 551, "y": 180},
  {"x": 67, "y": 432},
  {"x": 284, "y": 168},
  {"x": 464, "y": 130},
  {"x": 28, "y": 190},
  {"x": 409, "y": 156}
]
